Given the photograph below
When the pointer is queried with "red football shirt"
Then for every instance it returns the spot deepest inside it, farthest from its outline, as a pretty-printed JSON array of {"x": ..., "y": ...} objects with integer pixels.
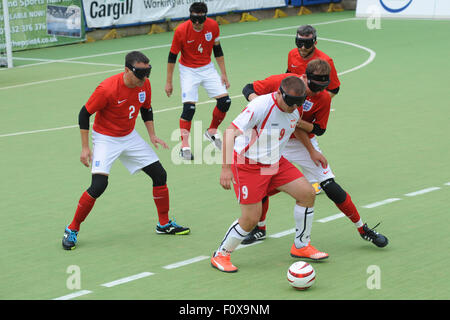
[
  {"x": 316, "y": 109},
  {"x": 195, "y": 46},
  {"x": 296, "y": 64},
  {"x": 117, "y": 106}
]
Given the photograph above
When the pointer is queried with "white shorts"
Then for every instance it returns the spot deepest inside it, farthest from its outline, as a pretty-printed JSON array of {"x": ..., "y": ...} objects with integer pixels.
[
  {"x": 131, "y": 149},
  {"x": 296, "y": 153},
  {"x": 192, "y": 78}
]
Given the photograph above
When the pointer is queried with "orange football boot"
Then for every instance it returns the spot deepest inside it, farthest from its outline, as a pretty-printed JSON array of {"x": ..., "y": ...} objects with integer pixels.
[
  {"x": 222, "y": 262},
  {"x": 308, "y": 252}
]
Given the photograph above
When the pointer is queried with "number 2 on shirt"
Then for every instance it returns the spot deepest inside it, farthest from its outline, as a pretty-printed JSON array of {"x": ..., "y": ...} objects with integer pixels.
[{"x": 132, "y": 110}]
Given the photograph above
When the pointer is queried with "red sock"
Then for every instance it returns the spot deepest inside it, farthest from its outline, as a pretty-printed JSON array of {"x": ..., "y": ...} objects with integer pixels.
[
  {"x": 265, "y": 208},
  {"x": 217, "y": 118},
  {"x": 84, "y": 207},
  {"x": 161, "y": 198},
  {"x": 348, "y": 208},
  {"x": 185, "y": 128}
]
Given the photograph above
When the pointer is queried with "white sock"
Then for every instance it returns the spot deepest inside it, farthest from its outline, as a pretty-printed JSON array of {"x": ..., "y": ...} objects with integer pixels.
[
  {"x": 233, "y": 238},
  {"x": 303, "y": 224}
]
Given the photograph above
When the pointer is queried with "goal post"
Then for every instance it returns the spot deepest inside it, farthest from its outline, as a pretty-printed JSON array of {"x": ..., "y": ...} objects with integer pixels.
[{"x": 5, "y": 37}]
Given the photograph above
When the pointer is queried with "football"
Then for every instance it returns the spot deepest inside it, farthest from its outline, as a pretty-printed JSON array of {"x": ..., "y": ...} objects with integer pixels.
[{"x": 301, "y": 275}]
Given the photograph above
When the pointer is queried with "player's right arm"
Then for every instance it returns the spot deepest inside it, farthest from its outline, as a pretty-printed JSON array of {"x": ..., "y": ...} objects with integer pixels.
[
  {"x": 226, "y": 175},
  {"x": 172, "y": 59},
  {"x": 97, "y": 101},
  {"x": 83, "y": 121},
  {"x": 170, "y": 68}
]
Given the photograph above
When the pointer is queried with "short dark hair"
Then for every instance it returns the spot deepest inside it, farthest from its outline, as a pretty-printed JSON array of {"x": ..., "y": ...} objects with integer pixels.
[
  {"x": 136, "y": 56},
  {"x": 198, "y": 7},
  {"x": 293, "y": 85},
  {"x": 318, "y": 66},
  {"x": 307, "y": 30}
]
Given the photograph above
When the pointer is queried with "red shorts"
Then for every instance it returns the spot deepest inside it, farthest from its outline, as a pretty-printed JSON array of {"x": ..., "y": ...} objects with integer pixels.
[{"x": 252, "y": 182}]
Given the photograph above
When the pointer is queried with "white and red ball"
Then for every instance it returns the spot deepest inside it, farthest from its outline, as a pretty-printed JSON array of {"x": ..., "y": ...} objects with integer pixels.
[{"x": 301, "y": 275}]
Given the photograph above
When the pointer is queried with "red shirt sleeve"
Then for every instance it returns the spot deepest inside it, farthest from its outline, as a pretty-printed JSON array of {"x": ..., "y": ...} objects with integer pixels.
[
  {"x": 177, "y": 41},
  {"x": 323, "y": 112},
  {"x": 98, "y": 100},
  {"x": 334, "y": 80}
]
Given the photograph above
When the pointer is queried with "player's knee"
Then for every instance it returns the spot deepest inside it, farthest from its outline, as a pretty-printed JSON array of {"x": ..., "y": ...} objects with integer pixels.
[
  {"x": 98, "y": 185},
  {"x": 188, "y": 111},
  {"x": 224, "y": 103},
  {"x": 157, "y": 173},
  {"x": 333, "y": 191}
]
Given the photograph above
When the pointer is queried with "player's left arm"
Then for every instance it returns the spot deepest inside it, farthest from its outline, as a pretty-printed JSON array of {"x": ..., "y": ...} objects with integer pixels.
[
  {"x": 147, "y": 117},
  {"x": 317, "y": 157},
  {"x": 218, "y": 54}
]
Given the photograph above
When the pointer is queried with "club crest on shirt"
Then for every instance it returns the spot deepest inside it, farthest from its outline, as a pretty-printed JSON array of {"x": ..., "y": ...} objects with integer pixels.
[
  {"x": 141, "y": 96},
  {"x": 307, "y": 105},
  {"x": 208, "y": 36}
]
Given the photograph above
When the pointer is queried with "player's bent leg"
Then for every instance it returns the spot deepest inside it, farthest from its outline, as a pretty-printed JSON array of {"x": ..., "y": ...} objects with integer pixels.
[
  {"x": 158, "y": 175},
  {"x": 259, "y": 231},
  {"x": 237, "y": 232},
  {"x": 304, "y": 194},
  {"x": 98, "y": 185},
  {"x": 344, "y": 202},
  {"x": 219, "y": 113},
  {"x": 301, "y": 190},
  {"x": 185, "y": 128}
]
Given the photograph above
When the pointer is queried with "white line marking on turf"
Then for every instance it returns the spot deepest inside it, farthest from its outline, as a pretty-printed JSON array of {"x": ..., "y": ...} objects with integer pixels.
[
  {"x": 372, "y": 53},
  {"x": 74, "y": 295},
  {"x": 46, "y": 61},
  {"x": 146, "y": 48},
  {"x": 127, "y": 279},
  {"x": 282, "y": 233},
  {"x": 331, "y": 218},
  {"x": 76, "y": 126},
  {"x": 59, "y": 79},
  {"x": 185, "y": 262},
  {"x": 380, "y": 203},
  {"x": 416, "y": 193},
  {"x": 447, "y": 183}
]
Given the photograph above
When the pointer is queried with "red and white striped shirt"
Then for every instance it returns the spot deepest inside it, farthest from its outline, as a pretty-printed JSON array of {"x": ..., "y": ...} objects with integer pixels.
[{"x": 265, "y": 128}]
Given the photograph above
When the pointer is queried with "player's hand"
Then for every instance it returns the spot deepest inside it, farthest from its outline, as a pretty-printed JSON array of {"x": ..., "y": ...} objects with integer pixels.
[
  {"x": 169, "y": 89},
  {"x": 86, "y": 156},
  {"x": 155, "y": 140},
  {"x": 225, "y": 81},
  {"x": 319, "y": 159},
  {"x": 226, "y": 177}
]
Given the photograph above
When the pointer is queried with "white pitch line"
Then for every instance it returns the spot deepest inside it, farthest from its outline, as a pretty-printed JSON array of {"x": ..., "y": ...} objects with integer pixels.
[
  {"x": 447, "y": 183},
  {"x": 127, "y": 279},
  {"x": 74, "y": 295},
  {"x": 76, "y": 126},
  {"x": 282, "y": 233},
  {"x": 331, "y": 218},
  {"x": 59, "y": 79},
  {"x": 380, "y": 203},
  {"x": 185, "y": 262},
  {"x": 416, "y": 193}
]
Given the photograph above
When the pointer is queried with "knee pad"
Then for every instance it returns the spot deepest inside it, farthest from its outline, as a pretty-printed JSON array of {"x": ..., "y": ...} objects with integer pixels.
[
  {"x": 333, "y": 191},
  {"x": 98, "y": 185},
  {"x": 157, "y": 173},
  {"x": 224, "y": 103},
  {"x": 188, "y": 111}
]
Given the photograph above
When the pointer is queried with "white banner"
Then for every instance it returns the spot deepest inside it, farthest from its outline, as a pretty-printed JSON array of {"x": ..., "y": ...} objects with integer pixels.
[
  {"x": 428, "y": 9},
  {"x": 106, "y": 13}
]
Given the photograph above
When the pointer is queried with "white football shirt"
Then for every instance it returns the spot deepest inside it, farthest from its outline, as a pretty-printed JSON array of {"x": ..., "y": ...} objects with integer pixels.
[{"x": 265, "y": 128}]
